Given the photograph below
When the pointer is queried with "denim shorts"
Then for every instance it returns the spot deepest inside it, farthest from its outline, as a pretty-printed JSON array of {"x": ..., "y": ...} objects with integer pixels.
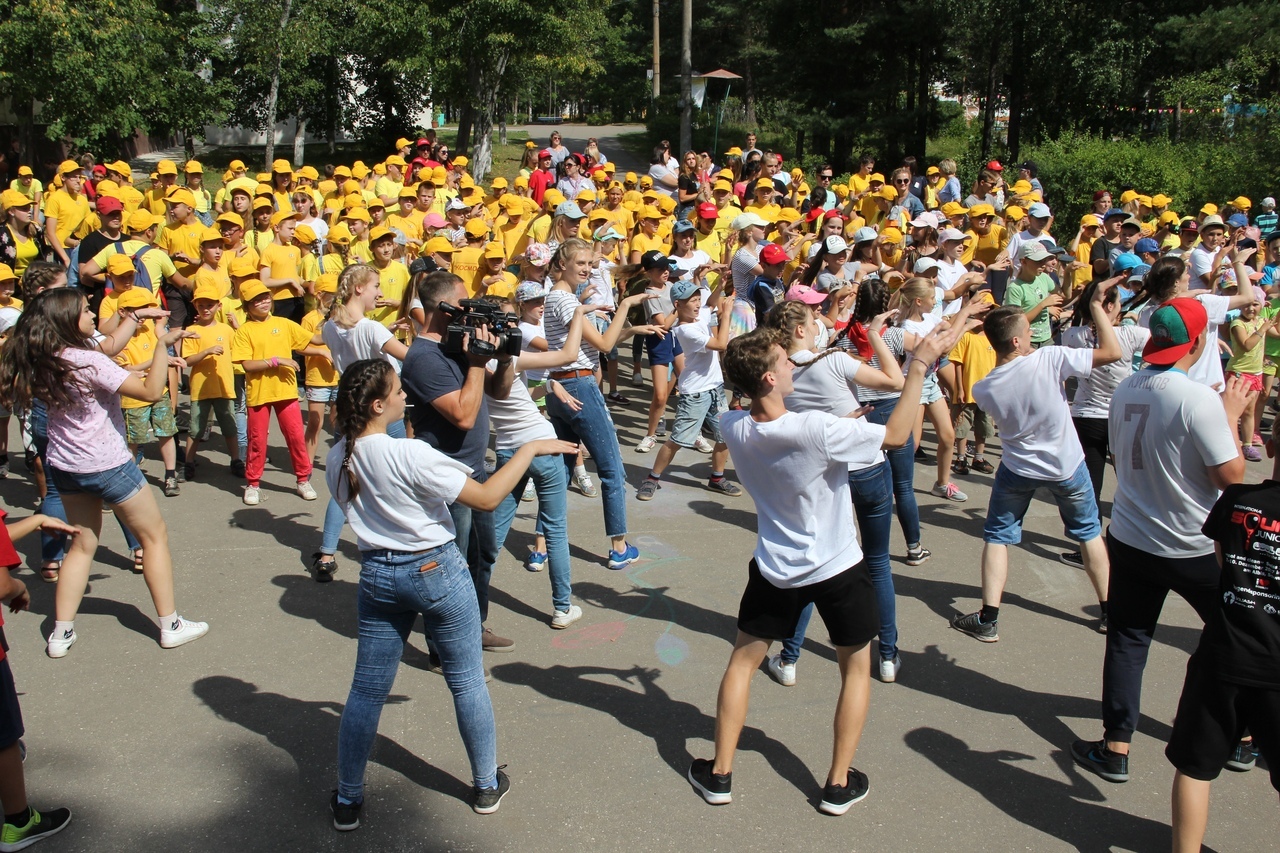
[
  {"x": 1011, "y": 496},
  {"x": 695, "y": 410},
  {"x": 930, "y": 392},
  {"x": 322, "y": 393},
  {"x": 662, "y": 350},
  {"x": 114, "y": 486}
]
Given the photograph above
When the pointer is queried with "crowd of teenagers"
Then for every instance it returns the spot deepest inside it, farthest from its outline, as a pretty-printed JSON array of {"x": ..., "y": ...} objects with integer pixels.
[{"x": 802, "y": 331}]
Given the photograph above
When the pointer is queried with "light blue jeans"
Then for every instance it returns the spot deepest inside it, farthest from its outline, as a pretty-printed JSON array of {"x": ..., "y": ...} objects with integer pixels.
[
  {"x": 593, "y": 426},
  {"x": 872, "y": 490},
  {"x": 333, "y": 517},
  {"x": 394, "y": 588},
  {"x": 552, "y": 486}
]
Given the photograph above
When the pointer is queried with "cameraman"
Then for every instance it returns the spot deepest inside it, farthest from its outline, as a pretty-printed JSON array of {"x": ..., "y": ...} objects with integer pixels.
[{"x": 449, "y": 412}]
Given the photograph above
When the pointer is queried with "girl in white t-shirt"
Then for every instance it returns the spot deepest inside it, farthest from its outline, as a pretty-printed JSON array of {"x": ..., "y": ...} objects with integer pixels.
[
  {"x": 396, "y": 495},
  {"x": 916, "y": 301},
  {"x": 49, "y": 356},
  {"x": 351, "y": 337}
]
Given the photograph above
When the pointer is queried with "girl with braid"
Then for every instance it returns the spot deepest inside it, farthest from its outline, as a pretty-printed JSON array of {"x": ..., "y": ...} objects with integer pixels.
[{"x": 396, "y": 496}]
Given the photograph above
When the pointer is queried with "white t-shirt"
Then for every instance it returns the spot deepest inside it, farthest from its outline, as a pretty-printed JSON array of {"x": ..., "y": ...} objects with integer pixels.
[
  {"x": 701, "y": 365},
  {"x": 1200, "y": 262},
  {"x": 926, "y": 324},
  {"x": 949, "y": 272},
  {"x": 686, "y": 266},
  {"x": 797, "y": 471},
  {"x": 658, "y": 171},
  {"x": 406, "y": 487},
  {"x": 516, "y": 420},
  {"x": 528, "y": 333},
  {"x": 1208, "y": 367},
  {"x": 1026, "y": 399},
  {"x": 601, "y": 286},
  {"x": 363, "y": 340},
  {"x": 1166, "y": 431},
  {"x": 826, "y": 386},
  {"x": 1093, "y": 394}
]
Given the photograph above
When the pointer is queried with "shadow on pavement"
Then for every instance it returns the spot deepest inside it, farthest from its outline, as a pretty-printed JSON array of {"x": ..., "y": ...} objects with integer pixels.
[
  {"x": 652, "y": 712},
  {"x": 1070, "y": 811}
]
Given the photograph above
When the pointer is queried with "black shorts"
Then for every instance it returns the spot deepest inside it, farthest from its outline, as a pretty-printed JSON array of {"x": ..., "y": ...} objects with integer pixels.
[
  {"x": 846, "y": 602},
  {"x": 10, "y": 714},
  {"x": 1212, "y": 717}
]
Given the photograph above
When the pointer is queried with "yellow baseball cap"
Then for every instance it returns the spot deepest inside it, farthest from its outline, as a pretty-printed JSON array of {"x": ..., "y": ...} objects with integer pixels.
[
  {"x": 340, "y": 234},
  {"x": 180, "y": 195},
  {"x": 283, "y": 216},
  {"x": 1012, "y": 213},
  {"x": 252, "y": 289},
  {"x": 460, "y": 160},
  {"x": 955, "y": 208},
  {"x": 1241, "y": 203},
  {"x": 207, "y": 291},
  {"x": 304, "y": 234},
  {"x": 193, "y": 167},
  {"x": 499, "y": 183},
  {"x": 439, "y": 246},
  {"x": 211, "y": 235},
  {"x": 7, "y": 273},
  {"x": 262, "y": 203},
  {"x": 403, "y": 143},
  {"x": 1090, "y": 219},
  {"x": 358, "y": 213},
  {"x": 229, "y": 218},
  {"x": 788, "y": 214},
  {"x": 119, "y": 264},
  {"x": 476, "y": 228},
  {"x": 136, "y": 297},
  {"x": 309, "y": 172},
  {"x": 236, "y": 166},
  {"x": 494, "y": 250},
  {"x": 521, "y": 182},
  {"x": 242, "y": 266},
  {"x": 283, "y": 167},
  {"x": 380, "y": 232},
  {"x": 25, "y": 172},
  {"x": 1160, "y": 200},
  {"x": 327, "y": 282},
  {"x": 164, "y": 167},
  {"x": 359, "y": 170},
  {"x": 140, "y": 220},
  {"x": 13, "y": 198},
  {"x": 394, "y": 160},
  {"x": 1128, "y": 196}
]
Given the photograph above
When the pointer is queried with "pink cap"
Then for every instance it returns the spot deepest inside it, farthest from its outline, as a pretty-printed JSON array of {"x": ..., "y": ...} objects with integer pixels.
[{"x": 806, "y": 294}]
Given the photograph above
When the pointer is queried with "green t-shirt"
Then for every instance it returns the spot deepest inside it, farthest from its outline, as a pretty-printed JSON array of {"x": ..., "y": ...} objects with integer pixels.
[
  {"x": 29, "y": 192},
  {"x": 1272, "y": 347},
  {"x": 1027, "y": 295}
]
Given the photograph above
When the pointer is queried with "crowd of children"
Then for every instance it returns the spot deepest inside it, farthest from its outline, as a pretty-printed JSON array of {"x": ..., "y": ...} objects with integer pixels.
[{"x": 803, "y": 333}]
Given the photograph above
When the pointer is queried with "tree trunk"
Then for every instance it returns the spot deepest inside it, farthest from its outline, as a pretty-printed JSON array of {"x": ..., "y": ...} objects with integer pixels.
[
  {"x": 273, "y": 95},
  {"x": 686, "y": 76},
  {"x": 751, "y": 95},
  {"x": 486, "y": 76},
  {"x": 799, "y": 155},
  {"x": 299, "y": 139},
  {"x": 466, "y": 116},
  {"x": 989, "y": 106},
  {"x": 924, "y": 101},
  {"x": 1017, "y": 82}
]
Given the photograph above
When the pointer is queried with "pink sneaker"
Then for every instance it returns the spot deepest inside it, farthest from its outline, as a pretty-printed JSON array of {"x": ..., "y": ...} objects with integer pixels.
[{"x": 1252, "y": 454}]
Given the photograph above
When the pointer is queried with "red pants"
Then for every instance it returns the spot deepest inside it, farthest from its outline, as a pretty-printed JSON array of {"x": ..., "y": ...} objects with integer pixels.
[{"x": 289, "y": 417}]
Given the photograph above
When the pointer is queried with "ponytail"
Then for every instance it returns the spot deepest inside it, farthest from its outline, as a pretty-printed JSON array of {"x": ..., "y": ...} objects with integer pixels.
[{"x": 362, "y": 383}]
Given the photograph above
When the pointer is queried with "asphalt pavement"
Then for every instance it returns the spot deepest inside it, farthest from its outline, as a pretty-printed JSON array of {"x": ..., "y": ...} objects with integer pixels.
[{"x": 230, "y": 742}]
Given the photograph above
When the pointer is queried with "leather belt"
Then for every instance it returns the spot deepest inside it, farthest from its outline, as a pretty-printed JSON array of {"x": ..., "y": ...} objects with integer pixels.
[{"x": 572, "y": 374}]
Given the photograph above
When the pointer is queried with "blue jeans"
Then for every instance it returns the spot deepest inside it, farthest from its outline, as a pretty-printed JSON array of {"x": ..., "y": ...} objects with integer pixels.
[
  {"x": 902, "y": 461},
  {"x": 394, "y": 588},
  {"x": 872, "y": 490},
  {"x": 1011, "y": 496},
  {"x": 552, "y": 486},
  {"x": 477, "y": 541},
  {"x": 593, "y": 426},
  {"x": 242, "y": 417},
  {"x": 53, "y": 546},
  {"x": 333, "y": 517}
]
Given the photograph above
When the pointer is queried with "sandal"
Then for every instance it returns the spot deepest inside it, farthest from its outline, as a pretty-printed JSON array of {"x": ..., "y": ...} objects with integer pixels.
[
  {"x": 137, "y": 562},
  {"x": 49, "y": 574},
  {"x": 324, "y": 567}
]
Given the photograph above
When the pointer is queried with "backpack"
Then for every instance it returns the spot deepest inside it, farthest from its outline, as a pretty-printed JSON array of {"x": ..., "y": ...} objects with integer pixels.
[{"x": 141, "y": 275}]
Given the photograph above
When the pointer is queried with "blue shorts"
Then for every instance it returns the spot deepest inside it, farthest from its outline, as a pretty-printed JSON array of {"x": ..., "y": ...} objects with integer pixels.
[
  {"x": 322, "y": 394},
  {"x": 695, "y": 410},
  {"x": 114, "y": 486},
  {"x": 1011, "y": 496},
  {"x": 662, "y": 350}
]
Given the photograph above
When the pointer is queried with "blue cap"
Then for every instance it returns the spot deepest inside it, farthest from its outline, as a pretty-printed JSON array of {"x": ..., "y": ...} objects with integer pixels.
[
  {"x": 1146, "y": 244},
  {"x": 1139, "y": 272},
  {"x": 1237, "y": 220},
  {"x": 683, "y": 289},
  {"x": 681, "y": 226},
  {"x": 1125, "y": 262},
  {"x": 1115, "y": 211},
  {"x": 569, "y": 209}
]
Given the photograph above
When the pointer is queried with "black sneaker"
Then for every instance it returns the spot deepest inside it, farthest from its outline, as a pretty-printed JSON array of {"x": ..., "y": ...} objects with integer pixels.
[
  {"x": 836, "y": 799},
  {"x": 960, "y": 466},
  {"x": 39, "y": 827},
  {"x": 1243, "y": 757},
  {"x": 1094, "y": 756},
  {"x": 171, "y": 489},
  {"x": 324, "y": 567},
  {"x": 982, "y": 466},
  {"x": 714, "y": 788},
  {"x": 346, "y": 816},
  {"x": 973, "y": 625},
  {"x": 1072, "y": 558},
  {"x": 918, "y": 555},
  {"x": 188, "y": 471},
  {"x": 237, "y": 467},
  {"x": 921, "y": 456},
  {"x": 487, "y": 800}
]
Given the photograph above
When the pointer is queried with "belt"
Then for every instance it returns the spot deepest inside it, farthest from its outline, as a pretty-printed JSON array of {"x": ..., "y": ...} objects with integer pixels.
[{"x": 572, "y": 374}]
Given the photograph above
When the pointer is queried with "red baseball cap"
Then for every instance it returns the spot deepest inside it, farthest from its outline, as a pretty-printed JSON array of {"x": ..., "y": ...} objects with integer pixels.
[
  {"x": 832, "y": 214},
  {"x": 707, "y": 210},
  {"x": 1175, "y": 327},
  {"x": 99, "y": 170},
  {"x": 544, "y": 154},
  {"x": 109, "y": 204},
  {"x": 424, "y": 142},
  {"x": 773, "y": 254},
  {"x": 995, "y": 166}
]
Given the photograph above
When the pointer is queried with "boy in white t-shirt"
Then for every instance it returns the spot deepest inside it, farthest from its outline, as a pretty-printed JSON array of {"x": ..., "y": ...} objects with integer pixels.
[
  {"x": 701, "y": 386},
  {"x": 796, "y": 467},
  {"x": 1024, "y": 395}
]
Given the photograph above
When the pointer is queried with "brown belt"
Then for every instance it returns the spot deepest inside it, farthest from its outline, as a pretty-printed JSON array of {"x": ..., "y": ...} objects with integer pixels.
[{"x": 572, "y": 374}]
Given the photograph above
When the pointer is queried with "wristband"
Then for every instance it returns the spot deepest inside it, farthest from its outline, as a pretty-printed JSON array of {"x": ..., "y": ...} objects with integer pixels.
[{"x": 273, "y": 361}]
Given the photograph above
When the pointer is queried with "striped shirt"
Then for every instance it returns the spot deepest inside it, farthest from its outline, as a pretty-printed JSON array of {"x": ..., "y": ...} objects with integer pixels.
[
  {"x": 893, "y": 338},
  {"x": 556, "y": 317},
  {"x": 1266, "y": 222}
]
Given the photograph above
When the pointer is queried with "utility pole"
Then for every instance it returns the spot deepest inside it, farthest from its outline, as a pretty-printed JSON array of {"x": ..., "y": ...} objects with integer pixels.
[
  {"x": 686, "y": 79},
  {"x": 657, "y": 86}
]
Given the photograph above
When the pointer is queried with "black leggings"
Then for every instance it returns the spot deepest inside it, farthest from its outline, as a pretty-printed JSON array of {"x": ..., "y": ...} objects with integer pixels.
[{"x": 1097, "y": 449}]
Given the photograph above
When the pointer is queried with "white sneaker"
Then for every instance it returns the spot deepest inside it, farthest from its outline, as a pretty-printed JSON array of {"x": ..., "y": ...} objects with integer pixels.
[
  {"x": 306, "y": 491},
  {"x": 889, "y": 669},
  {"x": 565, "y": 618},
  {"x": 783, "y": 673},
  {"x": 647, "y": 443},
  {"x": 530, "y": 492},
  {"x": 701, "y": 445},
  {"x": 583, "y": 485},
  {"x": 490, "y": 466},
  {"x": 251, "y": 496},
  {"x": 58, "y": 644},
  {"x": 180, "y": 632}
]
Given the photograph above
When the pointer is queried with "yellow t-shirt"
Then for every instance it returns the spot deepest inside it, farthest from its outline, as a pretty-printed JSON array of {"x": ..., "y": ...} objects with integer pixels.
[
  {"x": 643, "y": 243},
  {"x": 976, "y": 357},
  {"x": 130, "y": 198},
  {"x": 245, "y": 251},
  {"x": 217, "y": 277},
  {"x": 283, "y": 200},
  {"x": 182, "y": 238},
  {"x": 27, "y": 250},
  {"x": 28, "y": 191},
  {"x": 281, "y": 262},
  {"x": 514, "y": 237},
  {"x": 258, "y": 240},
  {"x": 140, "y": 349},
  {"x": 258, "y": 340},
  {"x": 410, "y": 226},
  {"x": 728, "y": 213},
  {"x": 360, "y": 253},
  {"x": 466, "y": 262},
  {"x": 985, "y": 247},
  {"x": 71, "y": 213},
  {"x": 159, "y": 265},
  {"x": 767, "y": 212},
  {"x": 393, "y": 280},
  {"x": 387, "y": 188},
  {"x": 713, "y": 245},
  {"x": 539, "y": 229},
  {"x": 502, "y": 289},
  {"x": 1084, "y": 249},
  {"x": 331, "y": 262},
  {"x": 213, "y": 377},
  {"x": 320, "y": 370}
]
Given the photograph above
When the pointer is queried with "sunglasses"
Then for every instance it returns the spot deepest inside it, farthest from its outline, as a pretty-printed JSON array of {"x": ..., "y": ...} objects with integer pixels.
[
  {"x": 902, "y": 181},
  {"x": 825, "y": 177}
]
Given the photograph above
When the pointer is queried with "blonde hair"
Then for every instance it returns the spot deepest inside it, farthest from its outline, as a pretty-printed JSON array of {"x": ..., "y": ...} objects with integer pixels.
[
  {"x": 947, "y": 167},
  {"x": 348, "y": 280},
  {"x": 915, "y": 288}
]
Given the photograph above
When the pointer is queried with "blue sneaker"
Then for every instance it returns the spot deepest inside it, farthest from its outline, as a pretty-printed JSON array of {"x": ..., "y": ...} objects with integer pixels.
[
  {"x": 619, "y": 560},
  {"x": 537, "y": 561}
]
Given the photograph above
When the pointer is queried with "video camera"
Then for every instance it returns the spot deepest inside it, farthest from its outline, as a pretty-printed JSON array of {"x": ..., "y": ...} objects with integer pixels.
[{"x": 472, "y": 314}]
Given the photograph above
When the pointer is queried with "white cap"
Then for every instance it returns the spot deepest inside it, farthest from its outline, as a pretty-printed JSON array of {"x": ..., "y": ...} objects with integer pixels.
[
  {"x": 835, "y": 244},
  {"x": 1269, "y": 203},
  {"x": 949, "y": 234},
  {"x": 924, "y": 265},
  {"x": 928, "y": 219}
]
